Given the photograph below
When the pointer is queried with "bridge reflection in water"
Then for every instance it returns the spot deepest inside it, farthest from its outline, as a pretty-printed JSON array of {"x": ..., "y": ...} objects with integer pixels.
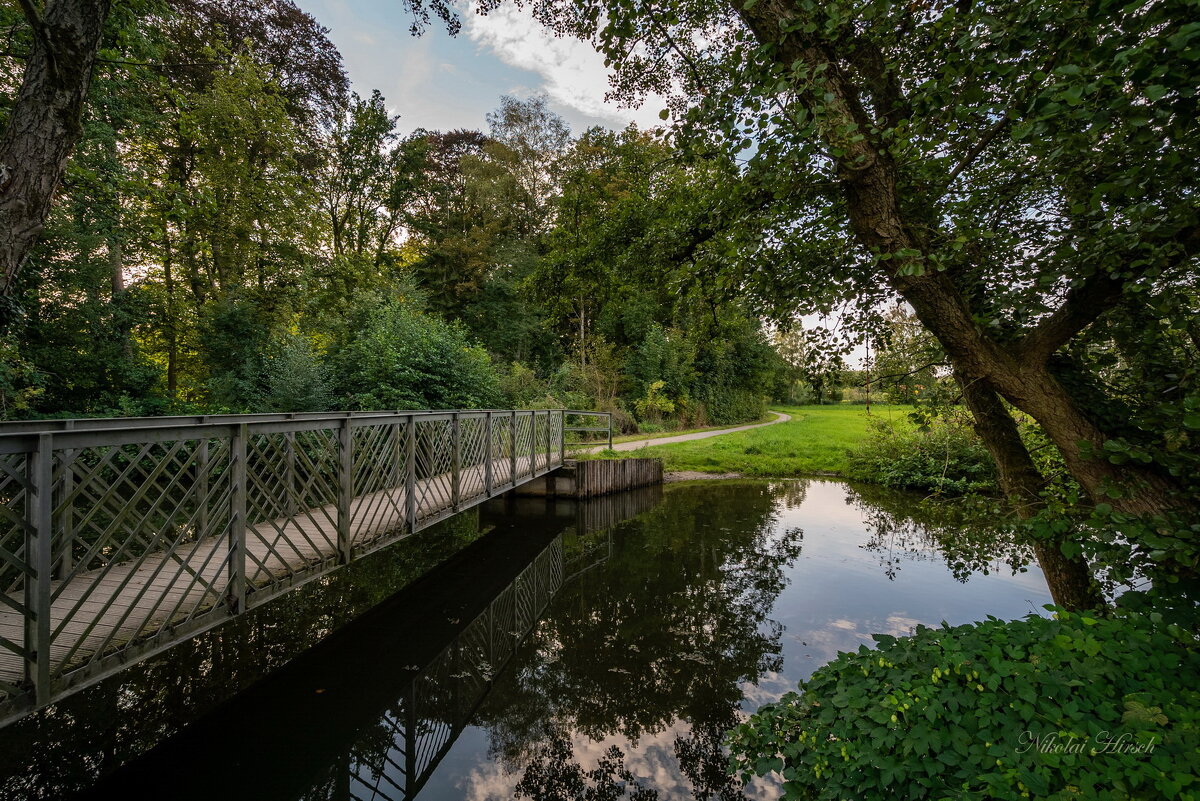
[{"x": 375, "y": 708}]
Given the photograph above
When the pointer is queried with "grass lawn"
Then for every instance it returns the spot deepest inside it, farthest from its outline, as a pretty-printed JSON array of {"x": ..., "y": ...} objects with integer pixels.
[{"x": 815, "y": 440}]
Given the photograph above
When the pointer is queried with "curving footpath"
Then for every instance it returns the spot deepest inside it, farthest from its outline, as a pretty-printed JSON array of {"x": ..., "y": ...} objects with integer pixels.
[{"x": 634, "y": 445}]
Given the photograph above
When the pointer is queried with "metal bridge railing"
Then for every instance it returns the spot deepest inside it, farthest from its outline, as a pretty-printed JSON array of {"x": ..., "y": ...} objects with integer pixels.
[
  {"x": 606, "y": 428},
  {"x": 119, "y": 541}
]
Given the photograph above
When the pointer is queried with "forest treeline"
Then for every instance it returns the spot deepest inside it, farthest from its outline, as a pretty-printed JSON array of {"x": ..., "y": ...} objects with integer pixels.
[{"x": 238, "y": 231}]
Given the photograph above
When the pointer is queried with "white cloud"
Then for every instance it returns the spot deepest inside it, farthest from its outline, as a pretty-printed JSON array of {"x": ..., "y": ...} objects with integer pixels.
[{"x": 573, "y": 73}]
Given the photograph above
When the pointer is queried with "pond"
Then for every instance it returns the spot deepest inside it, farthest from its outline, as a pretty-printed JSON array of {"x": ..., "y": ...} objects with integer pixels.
[{"x": 589, "y": 650}]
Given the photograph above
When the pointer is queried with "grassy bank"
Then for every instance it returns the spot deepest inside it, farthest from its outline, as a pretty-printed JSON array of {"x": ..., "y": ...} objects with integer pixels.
[{"x": 814, "y": 441}]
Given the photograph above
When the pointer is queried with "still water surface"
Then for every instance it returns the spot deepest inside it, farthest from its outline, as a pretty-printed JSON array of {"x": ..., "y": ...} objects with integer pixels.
[{"x": 557, "y": 656}]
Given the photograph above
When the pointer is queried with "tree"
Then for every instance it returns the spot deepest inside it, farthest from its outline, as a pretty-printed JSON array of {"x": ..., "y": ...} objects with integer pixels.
[{"x": 44, "y": 125}]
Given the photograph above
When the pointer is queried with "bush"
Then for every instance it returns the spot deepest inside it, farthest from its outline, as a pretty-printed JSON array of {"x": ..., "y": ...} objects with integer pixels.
[
  {"x": 405, "y": 359},
  {"x": 1069, "y": 707},
  {"x": 945, "y": 457},
  {"x": 654, "y": 404},
  {"x": 729, "y": 405},
  {"x": 295, "y": 378}
]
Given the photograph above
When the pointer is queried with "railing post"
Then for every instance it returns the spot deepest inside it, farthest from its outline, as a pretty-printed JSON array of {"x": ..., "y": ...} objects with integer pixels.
[
  {"x": 202, "y": 488},
  {"x": 289, "y": 457},
  {"x": 395, "y": 474},
  {"x": 456, "y": 463},
  {"x": 410, "y": 475},
  {"x": 610, "y": 436},
  {"x": 345, "y": 486},
  {"x": 238, "y": 520},
  {"x": 66, "y": 519},
  {"x": 532, "y": 444},
  {"x": 487, "y": 455},
  {"x": 512, "y": 449},
  {"x": 39, "y": 553},
  {"x": 562, "y": 437}
]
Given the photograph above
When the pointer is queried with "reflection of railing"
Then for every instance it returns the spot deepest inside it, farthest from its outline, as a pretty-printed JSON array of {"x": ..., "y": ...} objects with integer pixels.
[
  {"x": 442, "y": 698},
  {"x": 117, "y": 542},
  {"x": 606, "y": 428}
]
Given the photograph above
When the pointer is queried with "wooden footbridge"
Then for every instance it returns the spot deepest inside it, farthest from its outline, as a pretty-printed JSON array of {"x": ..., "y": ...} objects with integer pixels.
[{"x": 120, "y": 538}]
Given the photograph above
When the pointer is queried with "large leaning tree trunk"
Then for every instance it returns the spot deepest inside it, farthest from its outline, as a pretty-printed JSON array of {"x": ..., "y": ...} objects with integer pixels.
[
  {"x": 1069, "y": 577},
  {"x": 45, "y": 123},
  {"x": 869, "y": 177}
]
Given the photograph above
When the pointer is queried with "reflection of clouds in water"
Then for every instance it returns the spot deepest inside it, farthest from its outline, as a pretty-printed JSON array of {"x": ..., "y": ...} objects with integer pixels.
[
  {"x": 764, "y": 788},
  {"x": 898, "y": 625},
  {"x": 769, "y": 688},
  {"x": 650, "y": 758},
  {"x": 823, "y": 643}
]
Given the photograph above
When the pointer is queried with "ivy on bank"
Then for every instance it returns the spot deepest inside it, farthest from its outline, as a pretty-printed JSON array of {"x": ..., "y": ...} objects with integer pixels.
[{"x": 1069, "y": 707}]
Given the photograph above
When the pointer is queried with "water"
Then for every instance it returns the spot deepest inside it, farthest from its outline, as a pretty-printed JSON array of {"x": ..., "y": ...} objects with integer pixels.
[{"x": 555, "y": 656}]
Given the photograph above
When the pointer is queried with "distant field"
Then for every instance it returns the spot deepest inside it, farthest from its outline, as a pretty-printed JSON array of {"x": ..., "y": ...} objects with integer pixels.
[{"x": 815, "y": 440}]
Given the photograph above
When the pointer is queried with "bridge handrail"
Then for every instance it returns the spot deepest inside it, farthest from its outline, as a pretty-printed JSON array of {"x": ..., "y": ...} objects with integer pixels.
[
  {"x": 90, "y": 423},
  {"x": 607, "y": 428},
  {"x": 223, "y": 514}
]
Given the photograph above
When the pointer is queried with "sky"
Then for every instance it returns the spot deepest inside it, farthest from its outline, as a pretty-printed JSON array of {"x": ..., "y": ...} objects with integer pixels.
[{"x": 441, "y": 82}]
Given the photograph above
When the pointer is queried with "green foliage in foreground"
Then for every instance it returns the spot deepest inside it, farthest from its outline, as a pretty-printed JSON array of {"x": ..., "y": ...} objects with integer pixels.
[
  {"x": 815, "y": 441},
  {"x": 1069, "y": 707}
]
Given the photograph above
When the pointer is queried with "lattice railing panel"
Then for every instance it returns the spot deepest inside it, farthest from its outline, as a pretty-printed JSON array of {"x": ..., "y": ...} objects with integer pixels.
[
  {"x": 556, "y": 437},
  {"x": 541, "y": 432},
  {"x": 141, "y": 544},
  {"x": 501, "y": 449},
  {"x": 15, "y": 566},
  {"x": 524, "y": 443},
  {"x": 291, "y": 505},
  {"x": 378, "y": 509},
  {"x": 472, "y": 448},
  {"x": 434, "y": 458}
]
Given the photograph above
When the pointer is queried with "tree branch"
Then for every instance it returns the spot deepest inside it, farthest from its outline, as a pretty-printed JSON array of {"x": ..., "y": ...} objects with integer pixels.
[
  {"x": 38, "y": 23},
  {"x": 881, "y": 378},
  {"x": 1085, "y": 304}
]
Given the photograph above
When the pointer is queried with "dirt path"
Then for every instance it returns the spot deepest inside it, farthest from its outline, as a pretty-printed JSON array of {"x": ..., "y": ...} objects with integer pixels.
[{"x": 780, "y": 417}]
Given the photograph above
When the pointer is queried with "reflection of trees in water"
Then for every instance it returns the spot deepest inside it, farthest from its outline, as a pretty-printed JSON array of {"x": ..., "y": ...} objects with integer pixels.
[
  {"x": 666, "y": 629},
  {"x": 553, "y": 774},
  {"x": 792, "y": 493},
  {"x": 970, "y": 536},
  {"x": 705, "y": 763},
  {"x": 667, "y": 619},
  {"x": 66, "y": 748}
]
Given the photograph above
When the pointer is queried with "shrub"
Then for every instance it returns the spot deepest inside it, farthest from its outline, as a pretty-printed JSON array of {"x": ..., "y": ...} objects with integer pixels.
[
  {"x": 1069, "y": 707},
  {"x": 654, "y": 404},
  {"x": 945, "y": 457},
  {"x": 295, "y": 378},
  {"x": 730, "y": 405},
  {"x": 406, "y": 359}
]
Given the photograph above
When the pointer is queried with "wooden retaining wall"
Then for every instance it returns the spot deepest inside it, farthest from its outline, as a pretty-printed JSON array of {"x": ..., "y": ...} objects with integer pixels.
[{"x": 590, "y": 478}]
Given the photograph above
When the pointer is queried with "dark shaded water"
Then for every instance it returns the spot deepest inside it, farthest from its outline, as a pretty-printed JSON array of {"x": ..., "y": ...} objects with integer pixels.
[{"x": 556, "y": 655}]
